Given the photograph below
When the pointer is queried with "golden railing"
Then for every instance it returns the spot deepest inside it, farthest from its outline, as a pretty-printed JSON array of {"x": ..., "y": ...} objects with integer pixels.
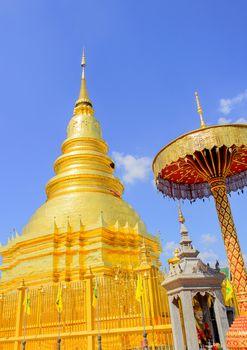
[
  {"x": 118, "y": 317},
  {"x": 8, "y": 306}
]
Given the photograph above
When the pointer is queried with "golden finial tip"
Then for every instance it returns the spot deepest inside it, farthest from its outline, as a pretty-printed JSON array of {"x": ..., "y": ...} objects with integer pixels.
[
  {"x": 83, "y": 63},
  {"x": 83, "y": 100},
  {"x": 83, "y": 59},
  {"x": 199, "y": 110}
]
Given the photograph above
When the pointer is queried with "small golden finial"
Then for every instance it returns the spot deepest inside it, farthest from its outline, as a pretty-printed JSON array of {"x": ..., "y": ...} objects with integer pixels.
[
  {"x": 175, "y": 259},
  {"x": 181, "y": 218},
  {"x": 22, "y": 285},
  {"x": 199, "y": 110}
]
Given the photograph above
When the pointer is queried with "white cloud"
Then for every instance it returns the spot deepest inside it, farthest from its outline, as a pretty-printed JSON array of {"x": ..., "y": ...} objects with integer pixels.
[
  {"x": 223, "y": 120},
  {"x": 208, "y": 239},
  {"x": 228, "y": 104},
  {"x": 241, "y": 121},
  {"x": 169, "y": 248},
  {"x": 133, "y": 168},
  {"x": 208, "y": 256}
]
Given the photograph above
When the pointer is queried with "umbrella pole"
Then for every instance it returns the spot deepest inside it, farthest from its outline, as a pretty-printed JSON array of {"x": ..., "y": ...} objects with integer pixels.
[
  {"x": 232, "y": 246},
  {"x": 237, "y": 334}
]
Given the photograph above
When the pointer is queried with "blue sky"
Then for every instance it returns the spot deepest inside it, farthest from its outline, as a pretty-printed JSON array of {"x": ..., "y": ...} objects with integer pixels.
[{"x": 145, "y": 60}]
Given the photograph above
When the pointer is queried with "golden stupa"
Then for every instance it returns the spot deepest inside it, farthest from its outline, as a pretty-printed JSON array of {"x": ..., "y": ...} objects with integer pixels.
[{"x": 85, "y": 235}]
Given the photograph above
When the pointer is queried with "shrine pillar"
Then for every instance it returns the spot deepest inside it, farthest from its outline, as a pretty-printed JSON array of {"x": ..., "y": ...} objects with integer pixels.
[
  {"x": 176, "y": 324},
  {"x": 189, "y": 320},
  {"x": 221, "y": 317}
]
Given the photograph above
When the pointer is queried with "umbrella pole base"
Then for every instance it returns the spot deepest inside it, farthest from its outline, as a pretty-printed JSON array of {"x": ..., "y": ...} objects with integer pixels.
[{"x": 237, "y": 335}]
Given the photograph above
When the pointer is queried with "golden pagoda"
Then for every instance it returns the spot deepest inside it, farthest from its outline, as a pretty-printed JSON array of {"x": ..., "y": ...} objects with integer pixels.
[{"x": 85, "y": 237}]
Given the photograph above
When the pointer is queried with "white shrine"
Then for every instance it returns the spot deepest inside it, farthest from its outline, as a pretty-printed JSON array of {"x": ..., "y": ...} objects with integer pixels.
[{"x": 198, "y": 313}]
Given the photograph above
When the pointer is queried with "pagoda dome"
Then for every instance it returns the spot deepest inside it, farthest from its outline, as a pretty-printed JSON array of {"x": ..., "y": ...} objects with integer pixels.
[
  {"x": 86, "y": 207},
  {"x": 84, "y": 187}
]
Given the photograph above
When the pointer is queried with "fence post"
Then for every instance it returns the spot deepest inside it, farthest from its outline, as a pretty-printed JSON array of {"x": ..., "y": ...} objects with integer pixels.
[
  {"x": 89, "y": 299},
  {"x": 1, "y": 310},
  {"x": 19, "y": 314}
]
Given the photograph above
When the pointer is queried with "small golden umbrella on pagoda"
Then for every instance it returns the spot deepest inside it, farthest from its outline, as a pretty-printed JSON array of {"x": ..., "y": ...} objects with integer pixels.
[{"x": 211, "y": 161}]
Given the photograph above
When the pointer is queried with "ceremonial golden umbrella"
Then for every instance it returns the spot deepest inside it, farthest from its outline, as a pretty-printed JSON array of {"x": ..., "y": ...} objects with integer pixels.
[{"x": 204, "y": 162}]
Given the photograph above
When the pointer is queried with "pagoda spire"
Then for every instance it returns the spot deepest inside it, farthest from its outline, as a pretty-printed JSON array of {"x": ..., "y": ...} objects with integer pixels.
[
  {"x": 83, "y": 99},
  {"x": 181, "y": 218},
  {"x": 183, "y": 229},
  {"x": 185, "y": 246},
  {"x": 199, "y": 110}
]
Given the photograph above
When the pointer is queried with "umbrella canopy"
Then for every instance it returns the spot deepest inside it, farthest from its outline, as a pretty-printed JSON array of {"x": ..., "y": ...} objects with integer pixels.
[{"x": 184, "y": 168}]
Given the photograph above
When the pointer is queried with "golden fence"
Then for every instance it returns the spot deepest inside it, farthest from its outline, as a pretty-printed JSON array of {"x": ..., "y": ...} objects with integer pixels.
[
  {"x": 8, "y": 306},
  {"x": 117, "y": 317}
]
